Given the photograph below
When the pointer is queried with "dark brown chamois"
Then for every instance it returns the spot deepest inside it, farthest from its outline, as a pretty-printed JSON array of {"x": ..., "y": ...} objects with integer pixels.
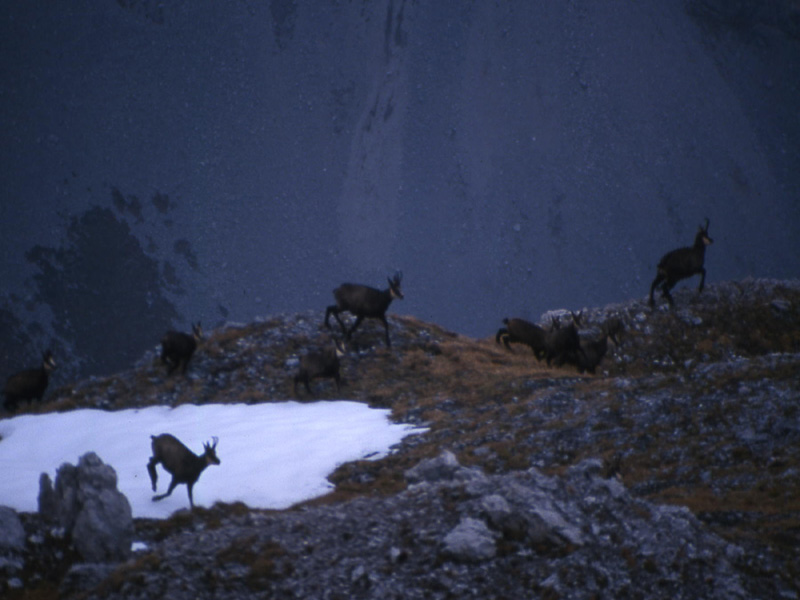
[
  {"x": 29, "y": 384},
  {"x": 614, "y": 328},
  {"x": 563, "y": 343},
  {"x": 177, "y": 348},
  {"x": 183, "y": 464},
  {"x": 593, "y": 353},
  {"x": 682, "y": 263},
  {"x": 594, "y": 350},
  {"x": 364, "y": 302},
  {"x": 520, "y": 331},
  {"x": 320, "y": 364}
]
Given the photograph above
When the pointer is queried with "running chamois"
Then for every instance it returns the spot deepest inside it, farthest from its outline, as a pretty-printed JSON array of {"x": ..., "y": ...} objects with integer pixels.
[{"x": 184, "y": 465}]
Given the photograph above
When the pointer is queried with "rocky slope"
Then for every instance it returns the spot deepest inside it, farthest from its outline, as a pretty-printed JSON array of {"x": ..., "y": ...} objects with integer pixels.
[{"x": 673, "y": 472}]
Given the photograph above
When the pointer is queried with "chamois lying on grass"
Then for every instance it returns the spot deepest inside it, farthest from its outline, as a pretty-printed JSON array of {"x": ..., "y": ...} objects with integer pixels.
[
  {"x": 682, "y": 263},
  {"x": 177, "y": 348},
  {"x": 364, "y": 302},
  {"x": 29, "y": 384},
  {"x": 184, "y": 465},
  {"x": 320, "y": 364},
  {"x": 520, "y": 331}
]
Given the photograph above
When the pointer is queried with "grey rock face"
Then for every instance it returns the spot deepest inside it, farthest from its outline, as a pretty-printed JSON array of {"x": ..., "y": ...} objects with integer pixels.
[
  {"x": 442, "y": 469},
  {"x": 434, "y": 469},
  {"x": 86, "y": 503},
  {"x": 470, "y": 541},
  {"x": 12, "y": 535}
]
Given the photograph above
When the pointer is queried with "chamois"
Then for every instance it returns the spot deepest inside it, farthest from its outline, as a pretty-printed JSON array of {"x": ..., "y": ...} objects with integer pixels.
[
  {"x": 593, "y": 352},
  {"x": 614, "y": 328},
  {"x": 183, "y": 464},
  {"x": 563, "y": 345},
  {"x": 682, "y": 263},
  {"x": 520, "y": 331},
  {"x": 364, "y": 302},
  {"x": 177, "y": 348},
  {"x": 320, "y": 364},
  {"x": 29, "y": 384}
]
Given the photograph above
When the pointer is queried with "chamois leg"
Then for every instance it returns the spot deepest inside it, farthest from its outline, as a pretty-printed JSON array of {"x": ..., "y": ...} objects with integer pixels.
[
  {"x": 189, "y": 487},
  {"x": 331, "y": 309},
  {"x": 668, "y": 285},
  {"x": 334, "y": 310},
  {"x": 386, "y": 330},
  {"x": 702, "y": 280},
  {"x": 304, "y": 378},
  {"x": 659, "y": 278},
  {"x": 171, "y": 365},
  {"x": 502, "y": 335},
  {"x": 151, "y": 468},
  {"x": 348, "y": 334},
  {"x": 172, "y": 485},
  {"x": 581, "y": 355}
]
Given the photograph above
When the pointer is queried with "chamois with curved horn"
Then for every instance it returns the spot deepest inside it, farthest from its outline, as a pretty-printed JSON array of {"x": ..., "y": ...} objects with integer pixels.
[
  {"x": 594, "y": 350},
  {"x": 682, "y": 263},
  {"x": 29, "y": 384},
  {"x": 364, "y": 302},
  {"x": 319, "y": 365},
  {"x": 184, "y": 465},
  {"x": 177, "y": 348},
  {"x": 563, "y": 343}
]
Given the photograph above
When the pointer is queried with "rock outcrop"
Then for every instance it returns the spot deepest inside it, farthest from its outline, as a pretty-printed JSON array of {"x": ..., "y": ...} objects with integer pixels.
[{"x": 86, "y": 503}]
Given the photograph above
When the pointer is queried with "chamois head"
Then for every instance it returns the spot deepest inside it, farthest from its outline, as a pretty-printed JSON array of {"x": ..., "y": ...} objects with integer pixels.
[
  {"x": 394, "y": 285},
  {"x": 210, "y": 451},
  {"x": 702, "y": 237}
]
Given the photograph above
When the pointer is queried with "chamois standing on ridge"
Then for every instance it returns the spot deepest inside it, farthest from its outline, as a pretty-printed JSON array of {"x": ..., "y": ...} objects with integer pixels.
[
  {"x": 28, "y": 384},
  {"x": 520, "y": 331},
  {"x": 563, "y": 344},
  {"x": 177, "y": 348},
  {"x": 364, "y": 302},
  {"x": 320, "y": 364},
  {"x": 184, "y": 465},
  {"x": 682, "y": 263}
]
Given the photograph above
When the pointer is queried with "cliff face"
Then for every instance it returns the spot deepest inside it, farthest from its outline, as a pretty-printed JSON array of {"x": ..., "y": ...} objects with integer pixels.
[
  {"x": 508, "y": 158},
  {"x": 673, "y": 469}
]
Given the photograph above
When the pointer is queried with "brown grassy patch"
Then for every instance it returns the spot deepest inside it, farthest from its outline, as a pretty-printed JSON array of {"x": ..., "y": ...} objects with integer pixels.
[{"x": 131, "y": 571}]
